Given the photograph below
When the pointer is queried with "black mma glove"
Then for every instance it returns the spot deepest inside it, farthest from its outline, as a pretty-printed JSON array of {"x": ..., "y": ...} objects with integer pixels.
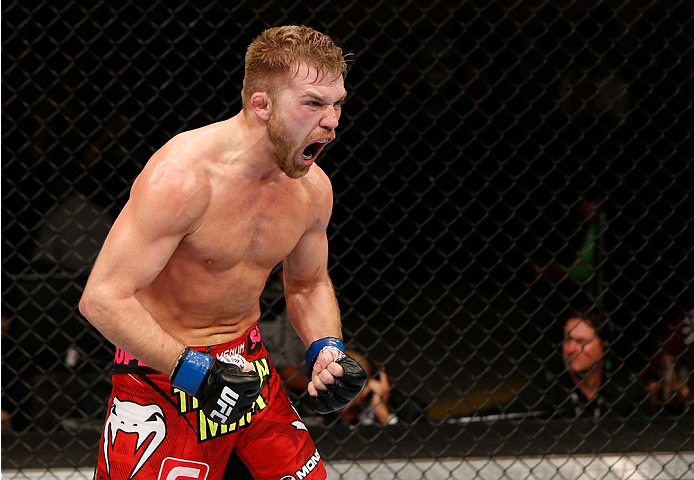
[
  {"x": 347, "y": 387},
  {"x": 225, "y": 392}
]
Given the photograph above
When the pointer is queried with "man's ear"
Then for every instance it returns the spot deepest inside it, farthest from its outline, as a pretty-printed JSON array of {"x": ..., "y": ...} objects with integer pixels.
[{"x": 261, "y": 105}]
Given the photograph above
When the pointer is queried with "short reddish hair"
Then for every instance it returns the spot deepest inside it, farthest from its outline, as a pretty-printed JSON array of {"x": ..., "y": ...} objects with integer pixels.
[{"x": 277, "y": 52}]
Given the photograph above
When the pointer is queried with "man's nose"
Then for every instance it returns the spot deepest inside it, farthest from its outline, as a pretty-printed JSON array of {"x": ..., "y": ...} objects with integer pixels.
[{"x": 331, "y": 118}]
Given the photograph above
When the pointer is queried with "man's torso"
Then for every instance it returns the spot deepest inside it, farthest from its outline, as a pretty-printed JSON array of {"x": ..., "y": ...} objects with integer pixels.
[{"x": 210, "y": 287}]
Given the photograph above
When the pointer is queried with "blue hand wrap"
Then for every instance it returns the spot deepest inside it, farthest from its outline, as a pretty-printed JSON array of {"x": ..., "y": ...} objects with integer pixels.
[
  {"x": 191, "y": 372},
  {"x": 317, "y": 346}
]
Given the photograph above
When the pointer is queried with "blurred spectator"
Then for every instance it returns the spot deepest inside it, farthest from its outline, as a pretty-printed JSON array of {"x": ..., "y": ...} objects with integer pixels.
[
  {"x": 73, "y": 229},
  {"x": 582, "y": 271},
  {"x": 671, "y": 373},
  {"x": 379, "y": 402},
  {"x": 76, "y": 218},
  {"x": 68, "y": 242},
  {"x": 591, "y": 384},
  {"x": 71, "y": 234},
  {"x": 287, "y": 351},
  {"x": 372, "y": 404}
]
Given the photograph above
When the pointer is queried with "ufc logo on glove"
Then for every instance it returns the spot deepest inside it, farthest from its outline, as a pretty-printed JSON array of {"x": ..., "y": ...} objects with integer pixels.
[
  {"x": 226, "y": 387},
  {"x": 226, "y": 402}
]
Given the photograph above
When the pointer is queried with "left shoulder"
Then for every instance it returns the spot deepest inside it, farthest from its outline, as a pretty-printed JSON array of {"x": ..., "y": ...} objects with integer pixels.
[
  {"x": 319, "y": 193},
  {"x": 317, "y": 183}
]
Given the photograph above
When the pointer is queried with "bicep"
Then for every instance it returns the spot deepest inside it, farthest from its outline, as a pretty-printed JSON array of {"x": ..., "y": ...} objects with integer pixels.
[
  {"x": 160, "y": 212},
  {"x": 308, "y": 261},
  {"x": 133, "y": 253}
]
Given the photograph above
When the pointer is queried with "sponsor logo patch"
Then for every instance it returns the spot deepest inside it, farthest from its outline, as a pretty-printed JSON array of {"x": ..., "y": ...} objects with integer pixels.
[
  {"x": 305, "y": 469},
  {"x": 308, "y": 467},
  {"x": 175, "y": 468},
  {"x": 254, "y": 340},
  {"x": 132, "y": 433}
]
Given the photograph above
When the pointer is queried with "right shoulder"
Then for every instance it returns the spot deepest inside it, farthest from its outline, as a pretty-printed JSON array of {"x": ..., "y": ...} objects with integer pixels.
[{"x": 174, "y": 182}]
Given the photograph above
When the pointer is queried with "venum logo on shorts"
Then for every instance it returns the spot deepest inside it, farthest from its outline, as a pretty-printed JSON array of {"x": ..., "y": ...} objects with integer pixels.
[
  {"x": 254, "y": 340},
  {"x": 238, "y": 350},
  {"x": 174, "y": 468},
  {"x": 132, "y": 432},
  {"x": 306, "y": 468}
]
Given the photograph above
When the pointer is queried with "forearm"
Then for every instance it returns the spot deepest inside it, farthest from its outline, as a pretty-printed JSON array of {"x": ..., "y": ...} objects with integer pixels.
[
  {"x": 314, "y": 311},
  {"x": 128, "y": 325}
]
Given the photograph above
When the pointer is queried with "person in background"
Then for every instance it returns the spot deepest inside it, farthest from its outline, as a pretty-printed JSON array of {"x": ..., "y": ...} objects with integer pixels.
[
  {"x": 379, "y": 403},
  {"x": 671, "y": 372},
  {"x": 582, "y": 273},
  {"x": 590, "y": 383}
]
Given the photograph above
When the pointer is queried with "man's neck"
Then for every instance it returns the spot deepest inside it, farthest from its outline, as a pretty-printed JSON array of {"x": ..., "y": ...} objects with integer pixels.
[{"x": 252, "y": 151}]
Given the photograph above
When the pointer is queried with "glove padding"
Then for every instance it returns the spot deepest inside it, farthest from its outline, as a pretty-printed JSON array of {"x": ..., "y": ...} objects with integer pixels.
[
  {"x": 227, "y": 393},
  {"x": 344, "y": 390}
]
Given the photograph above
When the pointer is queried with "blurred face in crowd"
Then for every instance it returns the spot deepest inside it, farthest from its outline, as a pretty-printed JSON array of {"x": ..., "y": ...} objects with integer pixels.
[{"x": 582, "y": 349}]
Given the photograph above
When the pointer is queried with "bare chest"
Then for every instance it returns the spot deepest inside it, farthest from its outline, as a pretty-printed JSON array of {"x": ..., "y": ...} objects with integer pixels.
[{"x": 256, "y": 232}]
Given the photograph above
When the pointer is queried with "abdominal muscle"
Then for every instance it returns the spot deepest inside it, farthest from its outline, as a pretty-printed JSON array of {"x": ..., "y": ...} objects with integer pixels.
[{"x": 200, "y": 307}]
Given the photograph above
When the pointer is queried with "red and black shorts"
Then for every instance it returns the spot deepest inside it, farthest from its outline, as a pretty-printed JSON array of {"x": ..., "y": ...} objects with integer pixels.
[{"x": 155, "y": 431}]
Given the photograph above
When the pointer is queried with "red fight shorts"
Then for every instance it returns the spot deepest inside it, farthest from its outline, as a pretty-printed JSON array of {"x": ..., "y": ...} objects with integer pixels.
[{"x": 155, "y": 431}]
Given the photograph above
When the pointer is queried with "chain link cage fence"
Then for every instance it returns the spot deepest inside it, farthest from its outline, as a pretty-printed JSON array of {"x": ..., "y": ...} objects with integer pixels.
[{"x": 499, "y": 164}]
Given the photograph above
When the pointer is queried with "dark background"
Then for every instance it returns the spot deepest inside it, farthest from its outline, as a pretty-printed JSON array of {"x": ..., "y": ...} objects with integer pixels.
[{"x": 471, "y": 133}]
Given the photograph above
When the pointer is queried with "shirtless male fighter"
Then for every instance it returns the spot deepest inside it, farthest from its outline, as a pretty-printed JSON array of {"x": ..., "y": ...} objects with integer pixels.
[{"x": 177, "y": 282}]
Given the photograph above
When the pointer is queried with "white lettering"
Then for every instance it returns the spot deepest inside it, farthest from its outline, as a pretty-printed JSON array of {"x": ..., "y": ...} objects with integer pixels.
[
  {"x": 226, "y": 402},
  {"x": 308, "y": 466},
  {"x": 237, "y": 350},
  {"x": 215, "y": 414},
  {"x": 229, "y": 396},
  {"x": 300, "y": 474}
]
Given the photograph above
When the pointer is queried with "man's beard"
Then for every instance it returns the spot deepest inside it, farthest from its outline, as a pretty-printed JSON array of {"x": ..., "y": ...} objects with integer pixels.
[{"x": 282, "y": 149}]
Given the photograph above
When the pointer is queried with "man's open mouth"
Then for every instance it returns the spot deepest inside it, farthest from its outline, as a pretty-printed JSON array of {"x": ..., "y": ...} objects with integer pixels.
[{"x": 311, "y": 151}]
